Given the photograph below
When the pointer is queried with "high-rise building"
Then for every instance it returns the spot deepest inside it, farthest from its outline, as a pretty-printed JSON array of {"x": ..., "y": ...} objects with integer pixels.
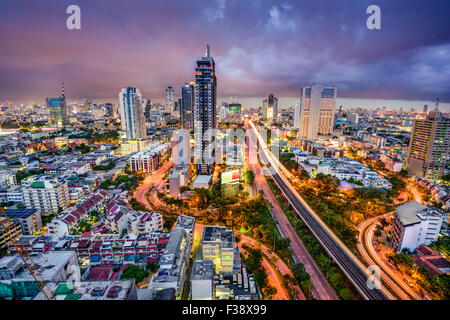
[
  {"x": 187, "y": 106},
  {"x": 178, "y": 106},
  {"x": 425, "y": 108},
  {"x": 270, "y": 108},
  {"x": 317, "y": 104},
  {"x": 205, "y": 114},
  {"x": 429, "y": 145},
  {"x": 170, "y": 99},
  {"x": 148, "y": 108},
  {"x": 132, "y": 113},
  {"x": 58, "y": 110}
]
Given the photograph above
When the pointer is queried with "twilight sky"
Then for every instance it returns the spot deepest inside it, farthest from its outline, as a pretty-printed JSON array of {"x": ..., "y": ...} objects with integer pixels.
[{"x": 259, "y": 46}]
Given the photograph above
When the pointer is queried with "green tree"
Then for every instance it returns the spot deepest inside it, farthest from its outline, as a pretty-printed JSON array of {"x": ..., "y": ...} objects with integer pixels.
[
  {"x": 299, "y": 272},
  {"x": 134, "y": 272},
  {"x": 249, "y": 176},
  {"x": 346, "y": 294},
  {"x": 152, "y": 266}
]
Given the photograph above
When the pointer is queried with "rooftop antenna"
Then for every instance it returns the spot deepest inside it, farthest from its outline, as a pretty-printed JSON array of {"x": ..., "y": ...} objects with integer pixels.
[
  {"x": 63, "y": 91},
  {"x": 208, "y": 51}
]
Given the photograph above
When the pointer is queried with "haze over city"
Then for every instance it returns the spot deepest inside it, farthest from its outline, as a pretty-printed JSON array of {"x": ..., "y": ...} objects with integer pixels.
[{"x": 260, "y": 47}]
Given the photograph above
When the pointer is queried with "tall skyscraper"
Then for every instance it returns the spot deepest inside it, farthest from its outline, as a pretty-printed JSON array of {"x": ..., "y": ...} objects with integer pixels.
[
  {"x": 170, "y": 99},
  {"x": 148, "y": 108},
  {"x": 317, "y": 104},
  {"x": 425, "y": 108},
  {"x": 270, "y": 109},
  {"x": 429, "y": 145},
  {"x": 132, "y": 113},
  {"x": 58, "y": 110},
  {"x": 205, "y": 113},
  {"x": 187, "y": 106}
]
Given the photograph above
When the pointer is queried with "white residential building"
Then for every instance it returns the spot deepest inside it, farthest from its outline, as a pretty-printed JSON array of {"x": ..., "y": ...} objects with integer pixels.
[
  {"x": 148, "y": 160},
  {"x": 132, "y": 113},
  {"x": 47, "y": 195},
  {"x": 7, "y": 178},
  {"x": 144, "y": 222},
  {"x": 414, "y": 224}
]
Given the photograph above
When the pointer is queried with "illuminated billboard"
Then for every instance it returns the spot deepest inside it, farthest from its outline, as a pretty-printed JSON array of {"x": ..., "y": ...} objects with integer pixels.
[{"x": 230, "y": 176}]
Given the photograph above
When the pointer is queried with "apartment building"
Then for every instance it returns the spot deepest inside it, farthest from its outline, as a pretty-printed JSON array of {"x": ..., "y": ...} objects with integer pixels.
[
  {"x": 218, "y": 246},
  {"x": 149, "y": 159},
  {"x": 174, "y": 262},
  {"x": 45, "y": 194},
  {"x": 414, "y": 224}
]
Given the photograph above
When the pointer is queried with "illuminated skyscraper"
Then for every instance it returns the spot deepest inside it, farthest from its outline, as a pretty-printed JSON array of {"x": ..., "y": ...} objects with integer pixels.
[
  {"x": 132, "y": 113},
  {"x": 270, "y": 109},
  {"x": 205, "y": 113},
  {"x": 58, "y": 110},
  {"x": 187, "y": 106},
  {"x": 170, "y": 99},
  {"x": 148, "y": 108},
  {"x": 316, "y": 110}
]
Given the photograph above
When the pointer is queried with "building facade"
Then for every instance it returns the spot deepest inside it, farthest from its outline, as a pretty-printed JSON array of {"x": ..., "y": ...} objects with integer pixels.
[
  {"x": 270, "y": 109},
  {"x": 414, "y": 224},
  {"x": 46, "y": 195},
  {"x": 187, "y": 106},
  {"x": 429, "y": 146},
  {"x": 316, "y": 111},
  {"x": 132, "y": 113},
  {"x": 58, "y": 111},
  {"x": 170, "y": 99},
  {"x": 205, "y": 114}
]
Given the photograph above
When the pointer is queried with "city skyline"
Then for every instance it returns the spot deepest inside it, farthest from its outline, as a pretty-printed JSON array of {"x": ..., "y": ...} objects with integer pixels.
[
  {"x": 279, "y": 48},
  {"x": 248, "y": 151}
]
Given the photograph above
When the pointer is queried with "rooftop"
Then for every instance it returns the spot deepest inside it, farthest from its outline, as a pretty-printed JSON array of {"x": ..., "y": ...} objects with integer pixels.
[
  {"x": 185, "y": 222},
  {"x": 218, "y": 233},
  {"x": 203, "y": 270},
  {"x": 19, "y": 213},
  {"x": 413, "y": 212}
]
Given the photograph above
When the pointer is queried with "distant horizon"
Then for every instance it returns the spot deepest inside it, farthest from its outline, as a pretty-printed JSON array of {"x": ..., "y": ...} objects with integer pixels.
[
  {"x": 287, "y": 102},
  {"x": 258, "y": 47}
]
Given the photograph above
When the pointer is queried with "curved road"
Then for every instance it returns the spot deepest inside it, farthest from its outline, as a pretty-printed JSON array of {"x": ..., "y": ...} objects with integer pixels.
[
  {"x": 149, "y": 181},
  {"x": 363, "y": 242},
  {"x": 281, "y": 267},
  {"x": 391, "y": 277}
]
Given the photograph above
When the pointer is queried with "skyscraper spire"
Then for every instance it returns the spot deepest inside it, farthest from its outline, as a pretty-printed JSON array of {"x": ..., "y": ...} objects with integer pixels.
[
  {"x": 208, "y": 51},
  {"x": 63, "y": 91}
]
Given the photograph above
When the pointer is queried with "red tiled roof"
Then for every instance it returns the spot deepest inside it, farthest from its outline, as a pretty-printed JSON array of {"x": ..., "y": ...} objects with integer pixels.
[
  {"x": 100, "y": 273},
  {"x": 69, "y": 219}
]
